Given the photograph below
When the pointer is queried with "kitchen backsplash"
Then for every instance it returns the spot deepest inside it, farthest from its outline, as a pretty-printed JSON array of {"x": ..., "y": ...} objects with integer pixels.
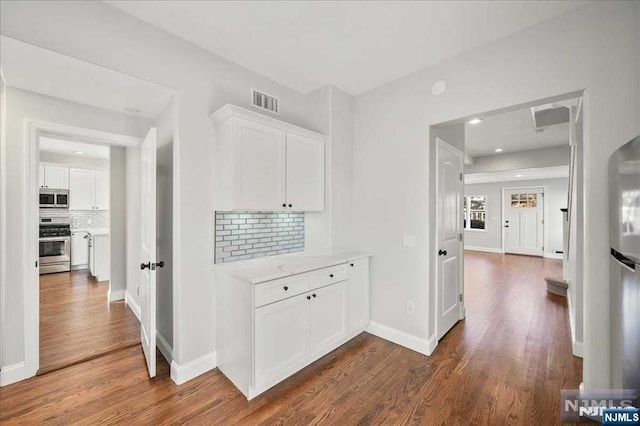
[
  {"x": 246, "y": 235},
  {"x": 80, "y": 218}
]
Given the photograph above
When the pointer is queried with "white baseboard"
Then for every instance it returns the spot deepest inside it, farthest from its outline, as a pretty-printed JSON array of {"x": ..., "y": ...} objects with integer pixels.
[
  {"x": 116, "y": 295},
  {"x": 13, "y": 373},
  {"x": 130, "y": 301},
  {"x": 578, "y": 349},
  {"x": 485, "y": 249},
  {"x": 554, "y": 256},
  {"x": 165, "y": 349},
  {"x": 192, "y": 369},
  {"x": 423, "y": 346}
]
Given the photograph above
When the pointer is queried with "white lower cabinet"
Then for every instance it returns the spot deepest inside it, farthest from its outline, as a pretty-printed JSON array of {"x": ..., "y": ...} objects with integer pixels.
[
  {"x": 79, "y": 249},
  {"x": 295, "y": 321},
  {"x": 281, "y": 334}
]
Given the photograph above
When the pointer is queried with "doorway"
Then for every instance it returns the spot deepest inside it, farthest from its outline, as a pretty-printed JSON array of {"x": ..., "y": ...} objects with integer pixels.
[
  {"x": 81, "y": 209},
  {"x": 520, "y": 210}
]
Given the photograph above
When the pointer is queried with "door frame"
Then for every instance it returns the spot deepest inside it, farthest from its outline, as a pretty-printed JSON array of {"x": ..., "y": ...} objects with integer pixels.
[
  {"x": 440, "y": 142},
  {"x": 544, "y": 214},
  {"x": 34, "y": 129}
]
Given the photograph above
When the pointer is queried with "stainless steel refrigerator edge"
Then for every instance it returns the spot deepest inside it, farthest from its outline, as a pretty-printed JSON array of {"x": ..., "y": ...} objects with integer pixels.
[{"x": 624, "y": 221}]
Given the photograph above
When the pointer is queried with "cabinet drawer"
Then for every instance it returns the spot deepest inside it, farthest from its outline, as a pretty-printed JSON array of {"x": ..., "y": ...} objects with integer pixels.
[
  {"x": 281, "y": 289},
  {"x": 328, "y": 276}
]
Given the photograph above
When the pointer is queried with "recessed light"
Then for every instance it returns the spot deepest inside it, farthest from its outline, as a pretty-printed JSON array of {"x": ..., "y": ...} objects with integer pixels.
[
  {"x": 133, "y": 110},
  {"x": 519, "y": 175},
  {"x": 439, "y": 87},
  {"x": 475, "y": 121},
  {"x": 498, "y": 149},
  {"x": 78, "y": 152}
]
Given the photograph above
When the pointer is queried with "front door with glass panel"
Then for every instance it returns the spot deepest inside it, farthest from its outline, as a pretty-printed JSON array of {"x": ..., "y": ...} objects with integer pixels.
[{"x": 524, "y": 221}]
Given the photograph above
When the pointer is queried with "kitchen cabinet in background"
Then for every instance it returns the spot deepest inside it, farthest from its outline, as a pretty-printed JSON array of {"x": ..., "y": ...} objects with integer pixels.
[
  {"x": 88, "y": 189},
  {"x": 53, "y": 177}
]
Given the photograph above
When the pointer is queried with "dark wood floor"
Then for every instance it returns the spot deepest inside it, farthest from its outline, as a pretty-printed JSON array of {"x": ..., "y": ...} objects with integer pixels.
[
  {"x": 77, "y": 323},
  {"x": 505, "y": 364}
]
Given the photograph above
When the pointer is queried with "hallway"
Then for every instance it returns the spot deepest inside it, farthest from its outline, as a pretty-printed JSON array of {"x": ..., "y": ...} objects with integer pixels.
[
  {"x": 505, "y": 364},
  {"x": 77, "y": 323}
]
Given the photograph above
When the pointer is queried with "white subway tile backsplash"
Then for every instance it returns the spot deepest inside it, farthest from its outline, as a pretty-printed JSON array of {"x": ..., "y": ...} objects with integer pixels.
[
  {"x": 247, "y": 235},
  {"x": 80, "y": 218}
]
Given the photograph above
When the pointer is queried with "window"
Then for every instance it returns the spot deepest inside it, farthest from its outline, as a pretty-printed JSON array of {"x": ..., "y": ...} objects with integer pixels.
[
  {"x": 475, "y": 212},
  {"x": 524, "y": 200}
]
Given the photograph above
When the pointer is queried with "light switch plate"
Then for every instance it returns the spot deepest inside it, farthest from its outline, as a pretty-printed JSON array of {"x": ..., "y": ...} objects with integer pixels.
[{"x": 408, "y": 241}]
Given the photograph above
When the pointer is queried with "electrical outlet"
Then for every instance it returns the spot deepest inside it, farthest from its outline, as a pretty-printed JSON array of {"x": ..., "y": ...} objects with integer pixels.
[
  {"x": 410, "y": 308},
  {"x": 408, "y": 241}
]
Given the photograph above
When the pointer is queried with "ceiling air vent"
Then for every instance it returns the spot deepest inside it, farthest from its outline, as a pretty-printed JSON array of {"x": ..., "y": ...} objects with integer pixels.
[{"x": 266, "y": 102}]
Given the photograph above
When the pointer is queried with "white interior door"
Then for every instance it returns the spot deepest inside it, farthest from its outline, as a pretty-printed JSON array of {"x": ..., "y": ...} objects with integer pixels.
[
  {"x": 148, "y": 250},
  {"x": 524, "y": 221},
  {"x": 449, "y": 219}
]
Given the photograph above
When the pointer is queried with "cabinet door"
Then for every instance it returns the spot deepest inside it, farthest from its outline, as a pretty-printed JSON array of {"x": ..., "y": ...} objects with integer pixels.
[
  {"x": 328, "y": 314},
  {"x": 82, "y": 189},
  {"x": 41, "y": 176},
  {"x": 56, "y": 177},
  {"x": 258, "y": 166},
  {"x": 102, "y": 190},
  {"x": 305, "y": 173},
  {"x": 79, "y": 249},
  {"x": 280, "y": 338},
  {"x": 358, "y": 273}
]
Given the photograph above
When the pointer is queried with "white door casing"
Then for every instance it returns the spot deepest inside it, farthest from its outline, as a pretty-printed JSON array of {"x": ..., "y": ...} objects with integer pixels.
[
  {"x": 523, "y": 222},
  {"x": 148, "y": 250},
  {"x": 449, "y": 245}
]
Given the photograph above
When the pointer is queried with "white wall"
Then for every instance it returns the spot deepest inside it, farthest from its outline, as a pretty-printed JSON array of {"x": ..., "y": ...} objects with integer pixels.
[
  {"x": 118, "y": 225},
  {"x": 555, "y": 198},
  {"x": 73, "y": 160},
  {"x": 330, "y": 112},
  {"x": 98, "y": 33},
  {"x": 577, "y": 51},
  {"x": 23, "y": 105},
  {"x": 534, "y": 158}
]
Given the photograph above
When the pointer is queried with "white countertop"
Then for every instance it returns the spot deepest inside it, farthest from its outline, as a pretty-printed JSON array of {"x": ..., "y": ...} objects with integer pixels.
[
  {"x": 273, "y": 267},
  {"x": 96, "y": 232}
]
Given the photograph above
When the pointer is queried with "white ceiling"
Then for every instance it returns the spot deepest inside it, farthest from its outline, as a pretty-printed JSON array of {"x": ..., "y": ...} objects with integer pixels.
[
  {"x": 356, "y": 45},
  {"x": 38, "y": 70},
  {"x": 512, "y": 131},
  {"x": 66, "y": 147}
]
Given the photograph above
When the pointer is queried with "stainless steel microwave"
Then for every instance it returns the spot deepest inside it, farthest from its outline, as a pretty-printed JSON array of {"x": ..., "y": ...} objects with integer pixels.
[{"x": 54, "y": 198}]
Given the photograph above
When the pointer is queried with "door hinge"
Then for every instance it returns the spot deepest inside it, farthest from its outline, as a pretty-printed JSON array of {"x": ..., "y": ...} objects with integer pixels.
[
  {"x": 460, "y": 236},
  {"x": 460, "y": 298},
  {"x": 36, "y": 263},
  {"x": 461, "y": 175}
]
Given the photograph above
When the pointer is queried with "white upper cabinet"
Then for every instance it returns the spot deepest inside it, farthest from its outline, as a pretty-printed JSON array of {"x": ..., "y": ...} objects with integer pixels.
[
  {"x": 305, "y": 173},
  {"x": 258, "y": 166},
  {"x": 88, "y": 189},
  {"x": 102, "y": 190},
  {"x": 53, "y": 177},
  {"x": 265, "y": 164}
]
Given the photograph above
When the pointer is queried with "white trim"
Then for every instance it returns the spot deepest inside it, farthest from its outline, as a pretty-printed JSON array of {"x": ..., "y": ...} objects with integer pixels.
[
  {"x": 165, "y": 349},
  {"x": 554, "y": 256},
  {"x": 132, "y": 304},
  {"x": 577, "y": 349},
  {"x": 113, "y": 296},
  {"x": 33, "y": 129},
  {"x": 192, "y": 369},
  {"x": 13, "y": 373},
  {"x": 3, "y": 208},
  {"x": 230, "y": 110},
  {"x": 423, "y": 346},
  {"x": 484, "y": 249}
]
